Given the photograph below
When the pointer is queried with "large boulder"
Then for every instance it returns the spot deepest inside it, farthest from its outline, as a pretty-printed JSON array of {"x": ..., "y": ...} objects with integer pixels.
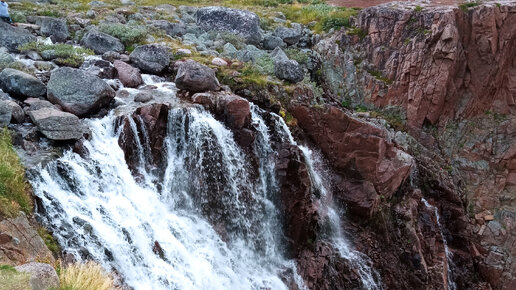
[
  {"x": 240, "y": 22},
  {"x": 57, "y": 125},
  {"x": 11, "y": 37},
  {"x": 195, "y": 77},
  {"x": 128, "y": 75},
  {"x": 101, "y": 43},
  {"x": 78, "y": 92},
  {"x": 42, "y": 276},
  {"x": 10, "y": 111},
  {"x": 20, "y": 243},
  {"x": 233, "y": 110},
  {"x": 288, "y": 70},
  {"x": 151, "y": 58},
  {"x": 21, "y": 85},
  {"x": 290, "y": 36},
  {"x": 55, "y": 28}
]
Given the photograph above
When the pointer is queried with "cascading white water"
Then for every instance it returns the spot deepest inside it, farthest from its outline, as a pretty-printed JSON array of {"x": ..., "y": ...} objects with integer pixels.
[
  {"x": 369, "y": 277},
  {"x": 98, "y": 210},
  {"x": 449, "y": 261}
]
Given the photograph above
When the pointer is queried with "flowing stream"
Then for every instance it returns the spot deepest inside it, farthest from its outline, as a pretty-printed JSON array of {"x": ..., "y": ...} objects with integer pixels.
[
  {"x": 449, "y": 261},
  {"x": 208, "y": 221}
]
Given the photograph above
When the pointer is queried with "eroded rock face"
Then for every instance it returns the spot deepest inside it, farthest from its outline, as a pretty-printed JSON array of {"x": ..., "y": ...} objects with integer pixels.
[
  {"x": 358, "y": 150},
  {"x": 20, "y": 243},
  {"x": 235, "y": 111},
  {"x": 240, "y": 22},
  {"x": 78, "y": 92}
]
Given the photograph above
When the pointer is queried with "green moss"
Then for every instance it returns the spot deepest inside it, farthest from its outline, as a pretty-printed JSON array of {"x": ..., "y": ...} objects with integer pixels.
[
  {"x": 65, "y": 54},
  {"x": 128, "y": 34},
  {"x": 49, "y": 240},
  {"x": 346, "y": 104},
  {"x": 14, "y": 189},
  {"x": 418, "y": 9}
]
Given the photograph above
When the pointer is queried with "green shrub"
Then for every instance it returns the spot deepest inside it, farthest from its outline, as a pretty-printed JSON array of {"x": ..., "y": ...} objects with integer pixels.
[
  {"x": 128, "y": 34},
  {"x": 18, "y": 17},
  {"x": 14, "y": 189},
  {"x": 298, "y": 55},
  {"x": 466, "y": 5},
  {"x": 324, "y": 16},
  {"x": 48, "y": 239},
  {"x": 418, "y": 9},
  {"x": 379, "y": 76},
  {"x": 65, "y": 54},
  {"x": 265, "y": 65}
]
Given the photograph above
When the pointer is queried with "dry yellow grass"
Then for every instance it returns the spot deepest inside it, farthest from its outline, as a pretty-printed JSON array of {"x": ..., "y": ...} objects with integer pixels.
[{"x": 87, "y": 276}]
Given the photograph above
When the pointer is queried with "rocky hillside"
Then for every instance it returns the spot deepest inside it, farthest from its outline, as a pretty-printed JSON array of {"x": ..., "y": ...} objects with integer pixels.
[{"x": 411, "y": 106}]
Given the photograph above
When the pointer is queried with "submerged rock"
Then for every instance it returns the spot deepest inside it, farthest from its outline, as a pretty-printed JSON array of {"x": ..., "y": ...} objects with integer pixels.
[
  {"x": 151, "y": 58},
  {"x": 78, "y": 92},
  {"x": 20, "y": 84},
  {"x": 57, "y": 125},
  {"x": 195, "y": 77},
  {"x": 240, "y": 22}
]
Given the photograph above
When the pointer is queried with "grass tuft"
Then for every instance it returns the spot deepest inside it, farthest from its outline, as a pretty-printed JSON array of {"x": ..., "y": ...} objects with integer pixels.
[
  {"x": 64, "y": 54},
  {"x": 87, "y": 276},
  {"x": 12, "y": 279},
  {"x": 14, "y": 189}
]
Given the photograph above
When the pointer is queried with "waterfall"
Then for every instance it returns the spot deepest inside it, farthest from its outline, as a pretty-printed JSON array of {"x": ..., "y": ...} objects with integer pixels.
[
  {"x": 369, "y": 277},
  {"x": 449, "y": 261}
]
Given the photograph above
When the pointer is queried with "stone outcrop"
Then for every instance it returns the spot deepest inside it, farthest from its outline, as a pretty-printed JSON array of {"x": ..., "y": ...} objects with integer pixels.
[
  {"x": 20, "y": 243},
  {"x": 78, "y": 92},
  {"x": 288, "y": 70},
  {"x": 240, "y": 22},
  {"x": 21, "y": 85}
]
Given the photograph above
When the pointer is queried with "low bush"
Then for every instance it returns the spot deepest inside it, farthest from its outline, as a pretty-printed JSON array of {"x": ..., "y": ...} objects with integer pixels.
[
  {"x": 298, "y": 55},
  {"x": 129, "y": 35},
  {"x": 87, "y": 276},
  {"x": 14, "y": 189}
]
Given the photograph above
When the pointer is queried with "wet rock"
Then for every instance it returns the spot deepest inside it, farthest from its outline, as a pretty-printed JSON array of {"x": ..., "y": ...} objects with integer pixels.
[
  {"x": 128, "y": 75},
  {"x": 42, "y": 276},
  {"x": 55, "y": 28},
  {"x": 57, "y": 125},
  {"x": 288, "y": 70},
  {"x": 78, "y": 92},
  {"x": 20, "y": 243},
  {"x": 239, "y": 22},
  {"x": 235, "y": 111},
  {"x": 10, "y": 111},
  {"x": 195, "y": 77},
  {"x": 290, "y": 36},
  {"x": 151, "y": 58},
  {"x": 143, "y": 96},
  {"x": 21, "y": 85},
  {"x": 11, "y": 37},
  {"x": 101, "y": 42}
]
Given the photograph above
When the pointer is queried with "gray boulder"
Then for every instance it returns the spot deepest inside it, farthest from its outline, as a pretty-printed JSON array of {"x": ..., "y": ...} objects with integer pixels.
[
  {"x": 57, "y": 125},
  {"x": 195, "y": 77},
  {"x": 172, "y": 29},
  {"x": 11, "y": 37},
  {"x": 78, "y": 92},
  {"x": 101, "y": 43},
  {"x": 239, "y": 22},
  {"x": 151, "y": 58},
  {"x": 10, "y": 111},
  {"x": 42, "y": 276},
  {"x": 288, "y": 70},
  {"x": 290, "y": 36},
  {"x": 21, "y": 85},
  {"x": 279, "y": 55},
  {"x": 55, "y": 28},
  {"x": 270, "y": 42}
]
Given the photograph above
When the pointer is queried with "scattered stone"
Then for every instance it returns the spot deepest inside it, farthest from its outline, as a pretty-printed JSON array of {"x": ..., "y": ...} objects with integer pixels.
[
  {"x": 55, "y": 28},
  {"x": 219, "y": 61},
  {"x": 271, "y": 42},
  {"x": 489, "y": 217},
  {"x": 290, "y": 36},
  {"x": 21, "y": 85},
  {"x": 11, "y": 37},
  {"x": 36, "y": 104},
  {"x": 128, "y": 75},
  {"x": 183, "y": 51},
  {"x": 101, "y": 42},
  {"x": 230, "y": 50},
  {"x": 42, "y": 276},
  {"x": 91, "y": 14},
  {"x": 151, "y": 58},
  {"x": 57, "y": 125},
  {"x": 195, "y": 77},
  {"x": 78, "y": 92},
  {"x": 239, "y": 22},
  {"x": 170, "y": 28},
  {"x": 288, "y": 70}
]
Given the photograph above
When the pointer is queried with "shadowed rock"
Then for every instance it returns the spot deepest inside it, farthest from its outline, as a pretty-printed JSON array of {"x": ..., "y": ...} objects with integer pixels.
[{"x": 21, "y": 85}]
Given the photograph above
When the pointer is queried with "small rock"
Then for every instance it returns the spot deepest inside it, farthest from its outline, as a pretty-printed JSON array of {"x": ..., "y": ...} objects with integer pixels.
[
  {"x": 195, "y": 77},
  {"x": 279, "y": 55},
  {"x": 143, "y": 96},
  {"x": 10, "y": 111},
  {"x": 21, "y": 85},
  {"x": 91, "y": 14},
  {"x": 42, "y": 276},
  {"x": 290, "y": 36},
  {"x": 128, "y": 75},
  {"x": 219, "y": 61},
  {"x": 489, "y": 217},
  {"x": 111, "y": 56},
  {"x": 183, "y": 51}
]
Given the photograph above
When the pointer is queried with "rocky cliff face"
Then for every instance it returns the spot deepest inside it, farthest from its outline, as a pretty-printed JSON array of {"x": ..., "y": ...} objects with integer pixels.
[{"x": 446, "y": 75}]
